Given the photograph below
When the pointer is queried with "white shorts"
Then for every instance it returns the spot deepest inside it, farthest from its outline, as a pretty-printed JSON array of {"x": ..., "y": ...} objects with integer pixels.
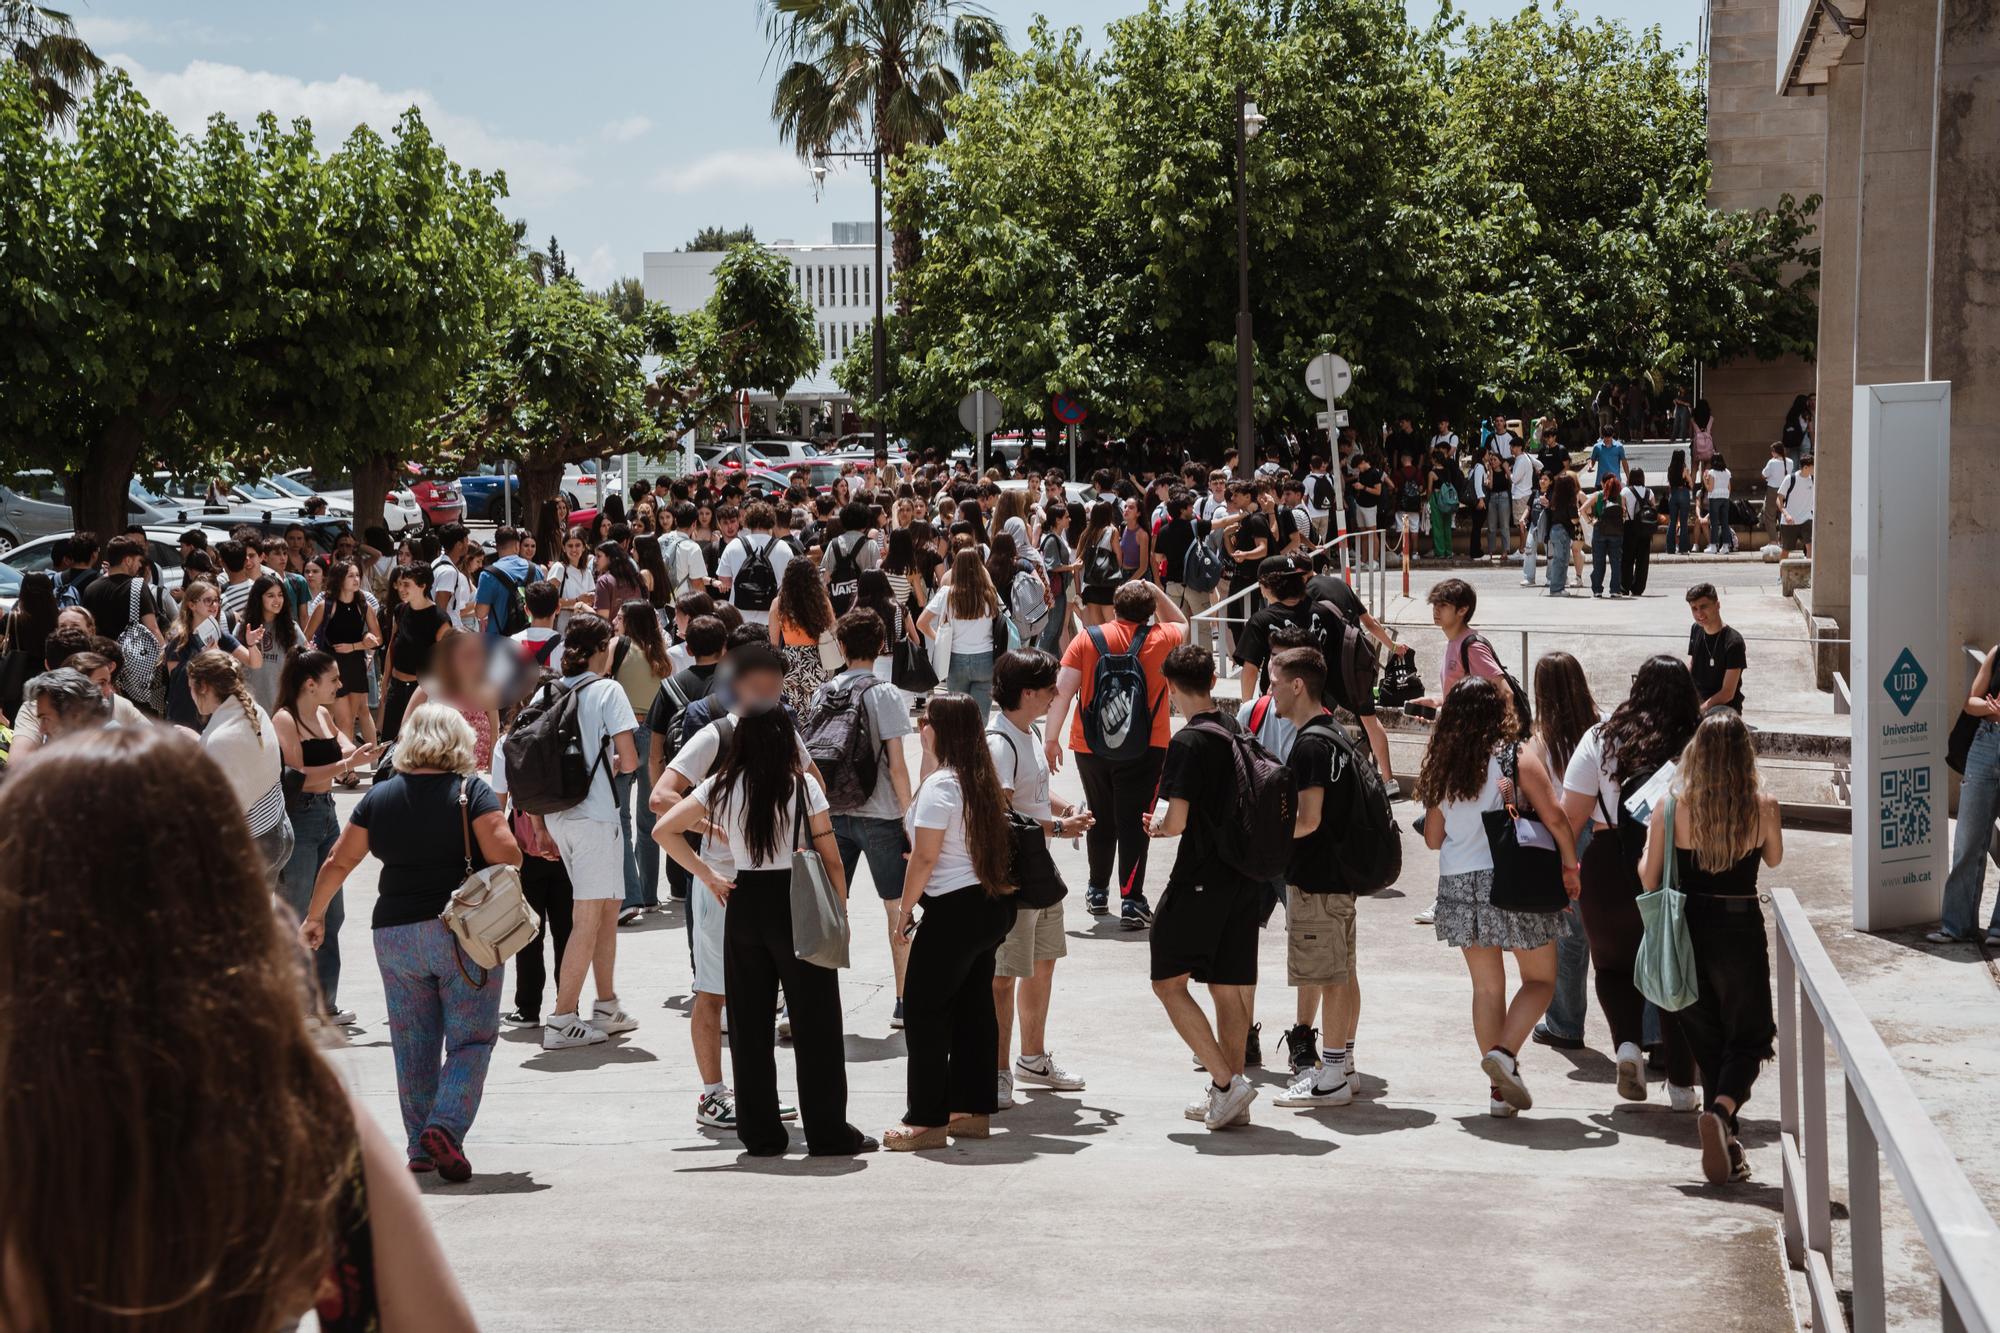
[
  {"x": 706, "y": 917},
  {"x": 591, "y": 852}
]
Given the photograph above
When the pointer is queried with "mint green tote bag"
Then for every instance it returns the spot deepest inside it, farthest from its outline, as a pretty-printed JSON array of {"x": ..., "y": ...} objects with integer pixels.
[{"x": 1664, "y": 970}]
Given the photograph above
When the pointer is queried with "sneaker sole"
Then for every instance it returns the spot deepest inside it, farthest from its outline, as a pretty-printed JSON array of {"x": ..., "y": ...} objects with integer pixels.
[
  {"x": 1241, "y": 1116},
  {"x": 569, "y": 1043},
  {"x": 1632, "y": 1080},
  {"x": 1512, "y": 1090},
  {"x": 445, "y": 1155},
  {"x": 1344, "y": 1098},
  {"x": 1715, "y": 1166},
  {"x": 1039, "y": 1081}
]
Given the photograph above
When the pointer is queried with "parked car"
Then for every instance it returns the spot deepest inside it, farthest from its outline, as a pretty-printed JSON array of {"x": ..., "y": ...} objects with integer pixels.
[
  {"x": 817, "y": 474},
  {"x": 727, "y": 455},
  {"x": 440, "y": 500},
  {"x": 32, "y": 504},
  {"x": 10, "y": 588},
  {"x": 283, "y": 489},
  {"x": 400, "y": 510},
  {"x": 783, "y": 451},
  {"x": 163, "y": 548},
  {"x": 485, "y": 496}
]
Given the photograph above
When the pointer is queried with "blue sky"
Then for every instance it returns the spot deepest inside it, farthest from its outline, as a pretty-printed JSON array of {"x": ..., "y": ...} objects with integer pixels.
[{"x": 623, "y": 126}]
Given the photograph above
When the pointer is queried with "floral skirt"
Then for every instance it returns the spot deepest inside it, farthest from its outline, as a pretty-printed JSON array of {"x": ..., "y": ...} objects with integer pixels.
[
  {"x": 1466, "y": 917},
  {"x": 804, "y": 673}
]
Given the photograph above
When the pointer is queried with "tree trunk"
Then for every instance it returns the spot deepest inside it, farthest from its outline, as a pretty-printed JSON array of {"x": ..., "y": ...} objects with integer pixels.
[
  {"x": 540, "y": 480},
  {"x": 373, "y": 478},
  {"x": 99, "y": 489}
]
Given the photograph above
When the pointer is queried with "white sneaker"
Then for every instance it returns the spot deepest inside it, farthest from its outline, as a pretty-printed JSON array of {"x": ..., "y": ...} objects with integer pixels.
[
  {"x": 341, "y": 1018},
  {"x": 1231, "y": 1105},
  {"x": 566, "y": 1030},
  {"x": 1500, "y": 1110},
  {"x": 785, "y": 1024},
  {"x": 1003, "y": 1097},
  {"x": 1631, "y": 1072},
  {"x": 1682, "y": 1099},
  {"x": 1347, "y": 1066},
  {"x": 716, "y": 1110},
  {"x": 1504, "y": 1072},
  {"x": 1307, "y": 1092},
  {"x": 1044, "y": 1072},
  {"x": 608, "y": 1018},
  {"x": 1427, "y": 917},
  {"x": 1198, "y": 1108}
]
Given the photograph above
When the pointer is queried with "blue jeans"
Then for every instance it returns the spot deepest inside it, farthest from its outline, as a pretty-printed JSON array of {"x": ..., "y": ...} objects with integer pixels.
[
  {"x": 433, "y": 1011},
  {"x": 1719, "y": 532},
  {"x": 642, "y": 854},
  {"x": 1606, "y": 549},
  {"x": 972, "y": 674},
  {"x": 1571, "y": 1001},
  {"x": 1540, "y": 533},
  {"x": 1978, "y": 799},
  {"x": 881, "y": 840},
  {"x": 1051, "y": 639},
  {"x": 1558, "y": 558},
  {"x": 1680, "y": 516},
  {"x": 315, "y": 828}
]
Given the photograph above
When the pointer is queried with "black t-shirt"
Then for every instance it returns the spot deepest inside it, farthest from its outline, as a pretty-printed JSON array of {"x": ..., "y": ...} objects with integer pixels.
[
  {"x": 416, "y": 635},
  {"x": 1368, "y": 486},
  {"x": 1712, "y": 657},
  {"x": 1200, "y": 770},
  {"x": 1332, "y": 588},
  {"x": 109, "y": 600},
  {"x": 1176, "y": 535},
  {"x": 1253, "y": 646},
  {"x": 693, "y": 682},
  {"x": 414, "y": 830},
  {"x": 1253, "y": 529},
  {"x": 1318, "y": 760}
]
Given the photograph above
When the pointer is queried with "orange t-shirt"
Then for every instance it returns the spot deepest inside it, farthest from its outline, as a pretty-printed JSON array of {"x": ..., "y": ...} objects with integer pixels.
[{"x": 1082, "y": 655}]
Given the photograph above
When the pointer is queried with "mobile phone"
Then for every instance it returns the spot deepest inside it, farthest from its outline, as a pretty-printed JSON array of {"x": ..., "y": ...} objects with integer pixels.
[{"x": 1081, "y": 809}]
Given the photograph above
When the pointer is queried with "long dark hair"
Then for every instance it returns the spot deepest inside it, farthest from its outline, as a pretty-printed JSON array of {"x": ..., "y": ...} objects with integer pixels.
[
  {"x": 1564, "y": 709},
  {"x": 300, "y": 668},
  {"x": 873, "y": 592},
  {"x": 1473, "y": 719},
  {"x": 802, "y": 599},
  {"x": 959, "y": 736},
  {"x": 1702, "y": 413},
  {"x": 621, "y": 570},
  {"x": 284, "y": 630},
  {"x": 641, "y": 624},
  {"x": 1104, "y": 516},
  {"x": 1657, "y": 719},
  {"x": 548, "y": 537},
  {"x": 584, "y": 639},
  {"x": 34, "y": 616},
  {"x": 1000, "y": 559},
  {"x": 648, "y": 547},
  {"x": 246, "y": 1171},
  {"x": 763, "y": 772}
]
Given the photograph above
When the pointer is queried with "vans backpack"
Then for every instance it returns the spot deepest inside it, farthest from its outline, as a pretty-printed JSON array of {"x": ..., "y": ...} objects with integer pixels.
[
  {"x": 837, "y": 735},
  {"x": 1257, "y": 835},
  {"x": 1118, "y": 720},
  {"x": 755, "y": 587},
  {"x": 1201, "y": 571},
  {"x": 547, "y": 768},
  {"x": 843, "y": 572},
  {"x": 1353, "y": 660},
  {"x": 1371, "y": 846},
  {"x": 1523, "y": 714}
]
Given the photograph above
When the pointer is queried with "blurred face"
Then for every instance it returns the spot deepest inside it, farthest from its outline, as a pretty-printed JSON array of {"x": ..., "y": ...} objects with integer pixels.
[{"x": 759, "y": 687}]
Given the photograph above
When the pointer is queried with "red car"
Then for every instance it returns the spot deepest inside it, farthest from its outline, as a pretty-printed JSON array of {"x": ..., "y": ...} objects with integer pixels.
[{"x": 441, "y": 501}]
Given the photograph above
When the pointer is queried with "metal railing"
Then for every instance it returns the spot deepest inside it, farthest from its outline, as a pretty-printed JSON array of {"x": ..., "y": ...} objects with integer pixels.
[
  {"x": 1367, "y": 573},
  {"x": 1884, "y": 1120}
]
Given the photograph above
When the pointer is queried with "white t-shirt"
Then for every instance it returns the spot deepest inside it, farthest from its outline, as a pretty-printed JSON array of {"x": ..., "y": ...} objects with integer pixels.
[
  {"x": 448, "y": 589},
  {"x": 1023, "y": 767},
  {"x": 1718, "y": 483},
  {"x": 1798, "y": 500},
  {"x": 1774, "y": 474},
  {"x": 731, "y": 563},
  {"x": 1523, "y": 470},
  {"x": 603, "y": 712},
  {"x": 967, "y": 636},
  {"x": 1590, "y": 774},
  {"x": 693, "y": 762},
  {"x": 730, "y": 819},
  {"x": 940, "y": 804},
  {"x": 1465, "y": 847}
]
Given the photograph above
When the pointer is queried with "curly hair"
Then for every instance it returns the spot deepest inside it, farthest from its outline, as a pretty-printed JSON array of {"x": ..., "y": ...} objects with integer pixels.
[
  {"x": 1475, "y": 717},
  {"x": 1657, "y": 719},
  {"x": 802, "y": 599}
]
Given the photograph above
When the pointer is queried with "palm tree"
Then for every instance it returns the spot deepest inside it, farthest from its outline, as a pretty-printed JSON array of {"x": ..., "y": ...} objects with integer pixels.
[
  {"x": 875, "y": 73},
  {"x": 60, "y": 65}
]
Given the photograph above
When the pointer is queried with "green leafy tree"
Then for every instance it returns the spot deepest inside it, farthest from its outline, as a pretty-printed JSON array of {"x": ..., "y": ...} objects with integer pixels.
[
  {"x": 59, "y": 64},
  {"x": 625, "y": 298},
  {"x": 721, "y": 238}
]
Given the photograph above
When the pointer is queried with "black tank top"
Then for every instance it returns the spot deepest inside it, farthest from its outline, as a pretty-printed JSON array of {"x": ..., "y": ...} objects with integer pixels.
[
  {"x": 314, "y": 752},
  {"x": 346, "y": 622},
  {"x": 1739, "y": 881}
]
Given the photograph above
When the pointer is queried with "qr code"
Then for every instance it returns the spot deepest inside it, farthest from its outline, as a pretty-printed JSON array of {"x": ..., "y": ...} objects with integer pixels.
[{"x": 1906, "y": 806}]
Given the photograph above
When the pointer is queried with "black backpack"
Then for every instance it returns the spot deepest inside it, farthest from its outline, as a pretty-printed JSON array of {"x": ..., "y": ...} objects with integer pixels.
[
  {"x": 1118, "y": 720},
  {"x": 1353, "y": 660},
  {"x": 547, "y": 769},
  {"x": 1037, "y": 882},
  {"x": 843, "y": 572},
  {"x": 1100, "y": 565},
  {"x": 1256, "y": 839},
  {"x": 755, "y": 587},
  {"x": 1523, "y": 714},
  {"x": 1371, "y": 846},
  {"x": 1644, "y": 512},
  {"x": 837, "y": 735},
  {"x": 513, "y": 612},
  {"x": 1322, "y": 492}
]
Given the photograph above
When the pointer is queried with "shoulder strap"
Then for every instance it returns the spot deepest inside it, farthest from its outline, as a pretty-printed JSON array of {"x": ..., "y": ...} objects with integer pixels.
[
  {"x": 465, "y": 821},
  {"x": 135, "y": 588},
  {"x": 1258, "y": 712},
  {"x": 1669, "y": 873}
]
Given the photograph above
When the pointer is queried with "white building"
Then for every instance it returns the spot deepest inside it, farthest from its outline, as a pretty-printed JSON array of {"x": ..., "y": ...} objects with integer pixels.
[{"x": 837, "y": 279}]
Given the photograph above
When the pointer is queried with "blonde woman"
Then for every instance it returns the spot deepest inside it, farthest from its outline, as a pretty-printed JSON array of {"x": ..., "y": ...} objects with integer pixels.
[
  {"x": 198, "y": 630},
  {"x": 1724, "y": 824},
  {"x": 970, "y": 606}
]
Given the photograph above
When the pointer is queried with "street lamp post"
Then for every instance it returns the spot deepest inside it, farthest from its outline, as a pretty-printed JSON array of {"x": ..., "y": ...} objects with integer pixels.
[
  {"x": 1248, "y": 123},
  {"x": 880, "y": 377}
]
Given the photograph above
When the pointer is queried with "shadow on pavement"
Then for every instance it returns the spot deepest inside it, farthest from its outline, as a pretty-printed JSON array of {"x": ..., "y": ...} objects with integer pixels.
[
  {"x": 1751, "y": 1193},
  {"x": 1254, "y": 1140},
  {"x": 496, "y": 1182},
  {"x": 791, "y": 1164},
  {"x": 867, "y": 1050},
  {"x": 1364, "y": 1117},
  {"x": 1587, "y": 1065},
  {"x": 1541, "y": 1134},
  {"x": 613, "y": 1052}
]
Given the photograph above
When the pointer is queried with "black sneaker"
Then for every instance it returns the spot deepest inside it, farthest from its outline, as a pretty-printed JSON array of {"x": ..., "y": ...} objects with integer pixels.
[
  {"x": 1253, "y": 1046},
  {"x": 1136, "y": 914},
  {"x": 1302, "y": 1044},
  {"x": 1097, "y": 901}
]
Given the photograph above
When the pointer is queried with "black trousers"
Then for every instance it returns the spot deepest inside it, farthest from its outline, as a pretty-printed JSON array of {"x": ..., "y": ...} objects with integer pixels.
[
  {"x": 1119, "y": 793},
  {"x": 756, "y": 957},
  {"x": 396, "y": 695},
  {"x": 546, "y": 886},
  {"x": 1637, "y": 560},
  {"x": 1611, "y": 922},
  {"x": 948, "y": 1015},
  {"x": 1729, "y": 1026}
]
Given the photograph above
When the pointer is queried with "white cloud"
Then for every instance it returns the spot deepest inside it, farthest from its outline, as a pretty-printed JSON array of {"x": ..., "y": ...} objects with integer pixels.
[
  {"x": 536, "y": 170},
  {"x": 746, "y": 168},
  {"x": 106, "y": 30},
  {"x": 626, "y": 130},
  {"x": 598, "y": 270}
]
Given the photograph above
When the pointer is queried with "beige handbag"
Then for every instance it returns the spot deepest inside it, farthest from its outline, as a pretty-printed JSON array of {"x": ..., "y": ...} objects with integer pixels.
[{"x": 488, "y": 914}]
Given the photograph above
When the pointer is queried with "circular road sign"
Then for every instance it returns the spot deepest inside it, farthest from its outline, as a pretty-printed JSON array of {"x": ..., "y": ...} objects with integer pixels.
[
  {"x": 978, "y": 403},
  {"x": 1068, "y": 410},
  {"x": 1329, "y": 376}
]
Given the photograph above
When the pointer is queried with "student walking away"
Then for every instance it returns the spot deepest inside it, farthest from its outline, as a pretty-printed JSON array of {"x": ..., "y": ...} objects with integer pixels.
[
  {"x": 239, "y": 736},
  {"x": 1642, "y": 521},
  {"x": 242, "y": 1068},
  {"x": 703, "y": 642},
  {"x": 1283, "y": 584},
  {"x": 961, "y": 870},
  {"x": 1409, "y": 485},
  {"x": 1099, "y": 574},
  {"x": 801, "y": 629},
  {"x": 641, "y": 667},
  {"x": 1717, "y": 654},
  {"x": 1611, "y": 765},
  {"x": 1344, "y": 843},
  {"x": 969, "y": 608},
  {"x": 1206, "y": 929},
  {"x": 848, "y": 555},
  {"x": 1564, "y": 713},
  {"x": 314, "y": 748},
  {"x": 1024, "y": 967},
  {"x": 752, "y": 564},
  {"x": 448, "y": 587},
  {"x": 415, "y": 628},
  {"x": 1978, "y": 804},
  {"x": 1116, "y": 675},
  {"x": 854, "y": 727},
  {"x": 1190, "y": 582},
  {"x": 1494, "y": 895},
  {"x": 1680, "y": 504},
  {"x": 1721, "y": 531},
  {"x": 1607, "y": 543},
  {"x": 584, "y": 714},
  {"x": 1722, "y": 825},
  {"x": 546, "y": 886},
  {"x": 1776, "y": 469},
  {"x": 500, "y": 605},
  {"x": 1795, "y": 508},
  {"x": 762, "y": 804},
  {"x": 1565, "y": 500}
]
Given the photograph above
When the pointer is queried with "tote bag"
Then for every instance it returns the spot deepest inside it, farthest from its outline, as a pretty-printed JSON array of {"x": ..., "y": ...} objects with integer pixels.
[
  {"x": 819, "y": 918},
  {"x": 1664, "y": 969}
]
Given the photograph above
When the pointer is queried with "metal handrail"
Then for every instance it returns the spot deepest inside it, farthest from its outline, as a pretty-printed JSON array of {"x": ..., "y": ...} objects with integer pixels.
[
  {"x": 1364, "y": 540},
  {"x": 1884, "y": 1119}
]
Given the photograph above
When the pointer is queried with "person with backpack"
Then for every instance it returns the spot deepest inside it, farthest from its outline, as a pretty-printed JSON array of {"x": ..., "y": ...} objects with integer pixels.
[
  {"x": 1024, "y": 968},
  {"x": 1192, "y": 558},
  {"x": 1347, "y": 637},
  {"x": 502, "y": 610},
  {"x": 1061, "y": 567},
  {"x": 1206, "y": 928},
  {"x": 443, "y": 550},
  {"x": 1322, "y": 496},
  {"x": 1636, "y": 559},
  {"x": 641, "y": 666},
  {"x": 1446, "y": 486},
  {"x": 1283, "y": 584},
  {"x": 1795, "y": 508},
  {"x": 1492, "y": 896},
  {"x": 564, "y": 756},
  {"x": 536, "y": 647},
  {"x": 686, "y": 564},
  {"x": 847, "y": 555},
  {"x": 753, "y": 562},
  {"x": 1115, "y": 673},
  {"x": 853, "y": 727},
  {"x": 1608, "y": 513},
  {"x": 1097, "y": 555}
]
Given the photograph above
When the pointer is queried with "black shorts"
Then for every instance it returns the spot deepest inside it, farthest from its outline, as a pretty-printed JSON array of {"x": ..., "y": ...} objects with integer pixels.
[
  {"x": 1209, "y": 933},
  {"x": 1099, "y": 594}
]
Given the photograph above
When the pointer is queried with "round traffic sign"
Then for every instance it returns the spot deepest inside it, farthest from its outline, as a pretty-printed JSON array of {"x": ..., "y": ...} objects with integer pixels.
[
  {"x": 980, "y": 408},
  {"x": 1329, "y": 376},
  {"x": 1067, "y": 409}
]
